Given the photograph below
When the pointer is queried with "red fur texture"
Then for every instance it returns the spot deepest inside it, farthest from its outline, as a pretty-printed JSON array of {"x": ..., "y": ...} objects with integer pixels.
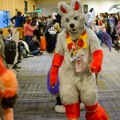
[
  {"x": 99, "y": 114},
  {"x": 9, "y": 84},
  {"x": 53, "y": 75},
  {"x": 96, "y": 64},
  {"x": 2, "y": 67},
  {"x": 93, "y": 108},
  {"x": 56, "y": 63},
  {"x": 72, "y": 110},
  {"x": 57, "y": 60}
]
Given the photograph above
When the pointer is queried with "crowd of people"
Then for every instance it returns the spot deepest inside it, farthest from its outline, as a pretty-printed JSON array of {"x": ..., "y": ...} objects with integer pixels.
[
  {"x": 109, "y": 23},
  {"x": 31, "y": 29}
]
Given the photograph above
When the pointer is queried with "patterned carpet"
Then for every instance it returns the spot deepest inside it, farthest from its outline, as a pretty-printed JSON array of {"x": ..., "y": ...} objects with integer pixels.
[{"x": 35, "y": 102}]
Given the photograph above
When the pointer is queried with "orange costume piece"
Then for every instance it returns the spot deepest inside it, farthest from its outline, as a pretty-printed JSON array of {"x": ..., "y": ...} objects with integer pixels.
[{"x": 8, "y": 91}]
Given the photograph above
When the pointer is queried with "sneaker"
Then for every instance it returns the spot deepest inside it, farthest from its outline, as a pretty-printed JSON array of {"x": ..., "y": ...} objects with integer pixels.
[{"x": 30, "y": 55}]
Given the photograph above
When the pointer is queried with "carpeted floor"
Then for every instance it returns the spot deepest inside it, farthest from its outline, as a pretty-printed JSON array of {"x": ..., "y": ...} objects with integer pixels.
[{"x": 35, "y": 102}]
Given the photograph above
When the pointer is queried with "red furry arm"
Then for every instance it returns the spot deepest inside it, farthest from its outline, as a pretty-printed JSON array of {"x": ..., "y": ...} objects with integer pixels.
[
  {"x": 56, "y": 63},
  {"x": 97, "y": 61},
  {"x": 57, "y": 60},
  {"x": 8, "y": 82}
]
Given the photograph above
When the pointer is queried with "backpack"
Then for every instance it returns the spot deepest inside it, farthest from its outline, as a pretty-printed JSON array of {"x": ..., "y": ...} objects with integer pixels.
[{"x": 10, "y": 51}]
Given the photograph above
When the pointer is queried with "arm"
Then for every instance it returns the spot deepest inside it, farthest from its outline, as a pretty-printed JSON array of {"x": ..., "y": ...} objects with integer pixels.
[
  {"x": 13, "y": 19},
  {"x": 96, "y": 64},
  {"x": 31, "y": 28},
  {"x": 56, "y": 63},
  {"x": 96, "y": 51}
]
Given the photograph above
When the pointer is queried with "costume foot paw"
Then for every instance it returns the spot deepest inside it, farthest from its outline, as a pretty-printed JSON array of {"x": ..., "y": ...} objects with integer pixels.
[{"x": 59, "y": 109}]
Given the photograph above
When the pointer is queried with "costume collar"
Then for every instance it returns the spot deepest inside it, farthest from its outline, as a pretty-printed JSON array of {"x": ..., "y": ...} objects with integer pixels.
[{"x": 77, "y": 44}]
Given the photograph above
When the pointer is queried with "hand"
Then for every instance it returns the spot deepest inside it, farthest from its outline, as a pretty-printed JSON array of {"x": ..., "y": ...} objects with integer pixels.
[
  {"x": 8, "y": 102},
  {"x": 52, "y": 31},
  {"x": 53, "y": 76},
  {"x": 95, "y": 67}
]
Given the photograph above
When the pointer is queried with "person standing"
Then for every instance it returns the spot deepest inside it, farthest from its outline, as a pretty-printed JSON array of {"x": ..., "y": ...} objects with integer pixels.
[
  {"x": 28, "y": 30},
  {"x": 18, "y": 20}
]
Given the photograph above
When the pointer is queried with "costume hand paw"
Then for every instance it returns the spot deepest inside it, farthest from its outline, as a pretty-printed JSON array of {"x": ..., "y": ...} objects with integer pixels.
[
  {"x": 8, "y": 102},
  {"x": 52, "y": 31},
  {"x": 53, "y": 76},
  {"x": 57, "y": 27},
  {"x": 95, "y": 67}
]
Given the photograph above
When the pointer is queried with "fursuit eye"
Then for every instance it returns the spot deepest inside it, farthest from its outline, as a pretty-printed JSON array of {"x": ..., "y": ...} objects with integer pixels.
[
  {"x": 76, "y": 18},
  {"x": 67, "y": 20}
]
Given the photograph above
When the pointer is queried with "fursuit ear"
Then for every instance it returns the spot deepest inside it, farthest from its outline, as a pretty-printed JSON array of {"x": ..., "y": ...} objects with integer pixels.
[
  {"x": 76, "y": 5},
  {"x": 63, "y": 8}
]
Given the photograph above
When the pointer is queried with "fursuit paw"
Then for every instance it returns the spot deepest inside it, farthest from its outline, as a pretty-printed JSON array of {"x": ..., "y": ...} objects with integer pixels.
[
  {"x": 53, "y": 76},
  {"x": 60, "y": 109},
  {"x": 99, "y": 114},
  {"x": 95, "y": 67}
]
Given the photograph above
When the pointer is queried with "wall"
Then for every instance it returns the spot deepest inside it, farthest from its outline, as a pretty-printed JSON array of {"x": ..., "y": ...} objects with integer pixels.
[
  {"x": 99, "y": 5},
  {"x": 47, "y": 11},
  {"x": 12, "y": 5}
]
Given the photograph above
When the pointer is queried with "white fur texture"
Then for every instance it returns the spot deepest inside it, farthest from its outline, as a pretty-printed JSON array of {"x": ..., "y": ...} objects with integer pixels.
[
  {"x": 64, "y": 5},
  {"x": 73, "y": 21},
  {"x": 89, "y": 17},
  {"x": 72, "y": 84},
  {"x": 54, "y": 15},
  {"x": 72, "y": 6}
]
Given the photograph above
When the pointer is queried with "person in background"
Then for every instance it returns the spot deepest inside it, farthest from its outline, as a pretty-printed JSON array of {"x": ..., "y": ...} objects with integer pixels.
[
  {"x": 117, "y": 42},
  {"x": 38, "y": 31},
  {"x": 2, "y": 48},
  {"x": 34, "y": 46},
  {"x": 28, "y": 30},
  {"x": 49, "y": 19},
  {"x": 18, "y": 20},
  {"x": 118, "y": 28},
  {"x": 9, "y": 36}
]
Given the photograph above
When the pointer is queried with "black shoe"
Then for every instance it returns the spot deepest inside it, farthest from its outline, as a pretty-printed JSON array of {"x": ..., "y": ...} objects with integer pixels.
[
  {"x": 41, "y": 52},
  {"x": 16, "y": 67}
]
